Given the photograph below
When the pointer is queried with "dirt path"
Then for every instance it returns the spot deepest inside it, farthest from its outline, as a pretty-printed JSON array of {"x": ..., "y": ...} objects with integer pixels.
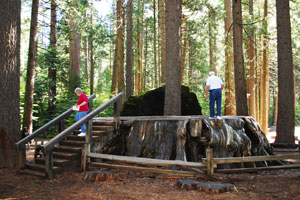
[{"x": 279, "y": 184}]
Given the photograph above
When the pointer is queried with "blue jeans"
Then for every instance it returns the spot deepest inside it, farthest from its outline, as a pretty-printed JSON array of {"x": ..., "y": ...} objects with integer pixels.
[
  {"x": 215, "y": 96},
  {"x": 78, "y": 117}
]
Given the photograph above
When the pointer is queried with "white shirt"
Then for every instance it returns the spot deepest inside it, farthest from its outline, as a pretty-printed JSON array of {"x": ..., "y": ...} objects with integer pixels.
[{"x": 214, "y": 82}]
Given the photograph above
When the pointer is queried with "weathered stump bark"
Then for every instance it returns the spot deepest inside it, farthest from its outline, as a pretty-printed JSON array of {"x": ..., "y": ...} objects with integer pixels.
[{"x": 186, "y": 138}]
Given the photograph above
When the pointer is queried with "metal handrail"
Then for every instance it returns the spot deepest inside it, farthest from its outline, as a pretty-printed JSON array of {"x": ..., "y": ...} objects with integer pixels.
[
  {"x": 51, "y": 143},
  {"x": 44, "y": 128}
]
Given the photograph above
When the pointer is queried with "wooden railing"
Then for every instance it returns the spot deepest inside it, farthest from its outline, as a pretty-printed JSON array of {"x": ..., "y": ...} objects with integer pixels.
[
  {"x": 88, "y": 119},
  {"x": 210, "y": 162},
  {"x": 58, "y": 120}
]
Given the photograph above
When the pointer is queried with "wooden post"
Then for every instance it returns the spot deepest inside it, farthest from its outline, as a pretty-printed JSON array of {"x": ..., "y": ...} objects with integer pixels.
[
  {"x": 117, "y": 115},
  {"x": 83, "y": 157},
  {"x": 210, "y": 163},
  {"x": 22, "y": 157},
  {"x": 61, "y": 126},
  {"x": 89, "y": 134},
  {"x": 49, "y": 164}
]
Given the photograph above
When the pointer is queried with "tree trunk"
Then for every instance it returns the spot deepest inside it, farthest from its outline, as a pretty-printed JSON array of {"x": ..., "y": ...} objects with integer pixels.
[
  {"x": 92, "y": 74},
  {"x": 173, "y": 87},
  {"x": 129, "y": 51},
  {"x": 212, "y": 39},
  {"x": 251, "y": 71},
  {"x": 230, "y": 106},
  {"x": 183, "y": 51},
  {"x": 154, "y": 44},
  {"x": 74, "y": 54},
  {"x": 145, "y": 73},
  {"x": 275, "y": 109},
  {"x": 10, "y": 81},
  {"x": 86, "y": 55},
  {"x": 286, "y": 94},
  {"x": 139, "y": 48},
  {"x": 28, "y": 104},
  {"x": 120, "y": 47},
  {"x": 265, "y": 78},
  {"x": 240, "y": 82},
  {"x": 162, "y": 24},
  {"x": 52, "y": 68},
  {"x": 190, "y": 72}
]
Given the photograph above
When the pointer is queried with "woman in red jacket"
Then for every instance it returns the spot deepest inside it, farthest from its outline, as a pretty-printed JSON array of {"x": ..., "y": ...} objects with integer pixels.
[{"x": 83, "y": 108}]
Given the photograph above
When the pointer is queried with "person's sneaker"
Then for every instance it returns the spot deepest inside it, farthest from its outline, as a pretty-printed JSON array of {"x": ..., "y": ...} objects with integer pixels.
[
  {"x": 219, "y": 117},
  {"x": 81, "y": 134}
]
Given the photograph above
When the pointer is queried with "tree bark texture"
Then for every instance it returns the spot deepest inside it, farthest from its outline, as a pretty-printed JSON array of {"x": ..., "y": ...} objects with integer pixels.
[
  {"x": 171, "y": 138},
  {"x": 251, "y": 60},
  {"x": 92, "y": 70},
  {"x": 230, "y": 105},
  {"x": 162, "y": 26},
  {"x": 286, "y": 94},
  {"x": 129, "y": 51},
  {"x": 10, "y": 82},
  {"x": 52, "y": 68},
  {"x": 140, "y": 27},
  {"x": 74, "y": 54},
  {"x": 29, "y": 89},
  {"x": 154, "y": 45},
  {"x": 239, "y": 71},
  {"x": 212, "y": 39},
  {"x": 120, "y": 47},
  {"x": 173, "y": 86},
  {"x": 183, "y": 52},
  {"x": 265, "y": 75}
]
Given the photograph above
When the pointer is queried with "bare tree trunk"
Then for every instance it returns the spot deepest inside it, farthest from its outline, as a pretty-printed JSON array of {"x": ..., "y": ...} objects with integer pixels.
[
  {"x": 251, "y": 71},
  {"x": 240, "y": 82},
  {"x": 29, "y": 90},
  {"x": 190, "y": 72},
  {"x": 162, "y": 14},
  {"x": 146, "y": 57},
  {"x": 52, "y": 68},
  {"x": 154, "y": 44},
  {"x": 74, "y": 54},
  {"x": 286, "y": 94},
  {"x": 265, "y": 76},
  {"x": 173, "y": 87},
  {"x": 120, "y": 46},
  {"x": 140, "y": 48},
  {"x": 115, "y": 69},
  {"x": 275, "y": 108},
  {"x": 230, "y": 105},
  {"x": 212, "y": 39},
  {"x": 129, "y": 51},
  {"x": 92, "y": 74},
  {"x": 86, "y": 56},
  {"x": 184, "y": 41},
  {"x": 10, "y": 82}
]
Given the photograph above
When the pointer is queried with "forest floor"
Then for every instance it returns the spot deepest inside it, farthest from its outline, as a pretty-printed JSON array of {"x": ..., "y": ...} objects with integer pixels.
[{"x": 276, "y": 184}]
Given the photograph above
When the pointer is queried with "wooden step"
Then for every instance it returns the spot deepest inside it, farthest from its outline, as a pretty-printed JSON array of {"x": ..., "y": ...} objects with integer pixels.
[
  {"x": 66, "y": 156},
  {"x": 101, "y": 133},
  {"x": 32, "y": 172},
  {"x": 103, "y": 123},
  {"x": 67, "y": 149},
  {"x": 103, "y": 128},
  {"x": 79, "y": 138},
  {"x": 59, "y": 162},
  {"x": 72, "y": 143},
  {"x": 40, "y": 167}
]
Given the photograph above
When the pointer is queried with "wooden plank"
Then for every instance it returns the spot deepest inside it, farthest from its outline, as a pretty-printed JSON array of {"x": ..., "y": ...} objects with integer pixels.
[
  {"x": 210, "y": 166},
  {"x": 253, "y": 158},
  {"x": 146, "y": 161},
  {"x": 237, "y": 170},
  {"x": 146, "y": 169}
]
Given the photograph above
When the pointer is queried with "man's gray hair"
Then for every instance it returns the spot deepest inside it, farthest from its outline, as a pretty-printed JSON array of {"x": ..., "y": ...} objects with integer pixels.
[
  {"x": 78, "y": 90},
  {"x": 211, "y": 73}
]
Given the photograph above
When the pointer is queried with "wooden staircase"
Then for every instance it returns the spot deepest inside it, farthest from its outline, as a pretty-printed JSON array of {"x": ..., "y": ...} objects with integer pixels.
[{"x": 67, "y": 154}]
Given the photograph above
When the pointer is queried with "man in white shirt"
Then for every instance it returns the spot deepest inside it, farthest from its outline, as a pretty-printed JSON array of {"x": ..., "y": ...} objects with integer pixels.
[{"x": 215, "y": 86}]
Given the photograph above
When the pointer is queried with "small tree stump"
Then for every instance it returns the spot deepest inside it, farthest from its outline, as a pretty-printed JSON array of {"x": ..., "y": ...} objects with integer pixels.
[{"x": 208, "y": 187}]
